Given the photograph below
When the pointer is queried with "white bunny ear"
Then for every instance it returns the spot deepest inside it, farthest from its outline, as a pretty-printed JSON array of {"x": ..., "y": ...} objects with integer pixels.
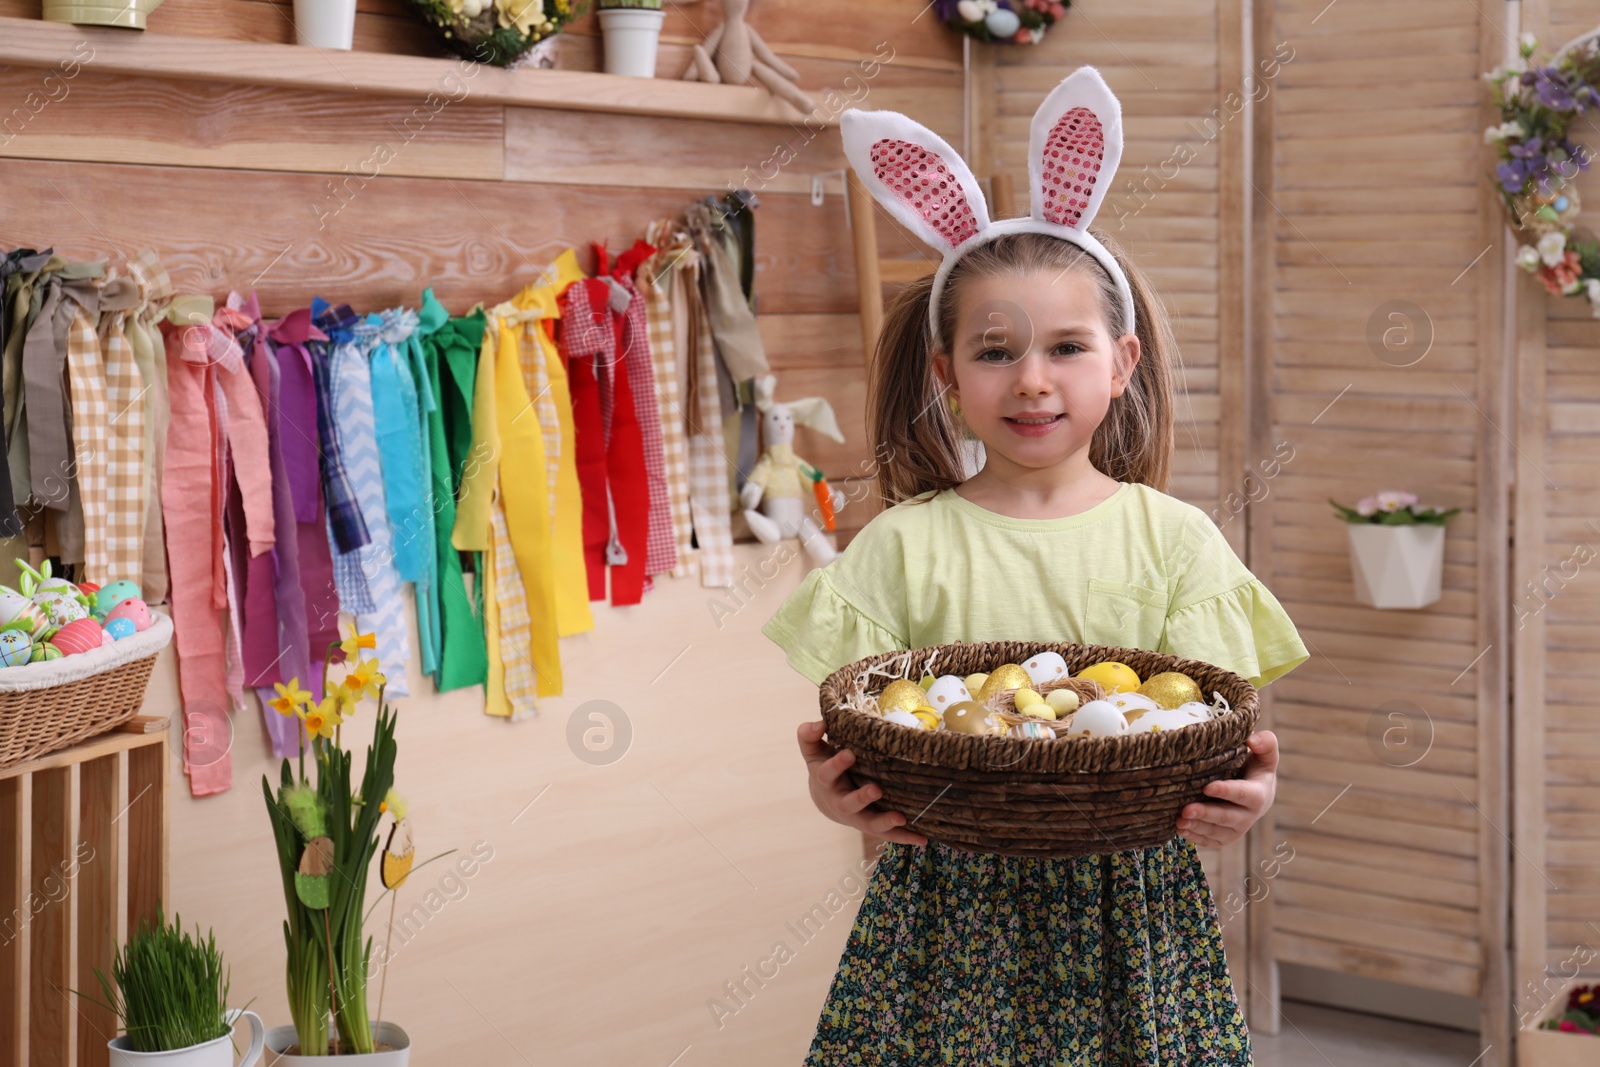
[
  {"x": 1074, "y": 146},
  {"x": 914, "y": 174}
]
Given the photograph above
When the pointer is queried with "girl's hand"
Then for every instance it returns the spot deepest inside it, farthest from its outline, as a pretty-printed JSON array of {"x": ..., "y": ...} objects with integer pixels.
[
  {"x": 1240, "y": 801},
  {"x": 835, "y": 794}
]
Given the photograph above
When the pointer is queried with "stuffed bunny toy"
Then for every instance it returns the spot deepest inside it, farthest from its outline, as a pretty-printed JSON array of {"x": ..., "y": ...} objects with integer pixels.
[{"x": 781, "y": 484}]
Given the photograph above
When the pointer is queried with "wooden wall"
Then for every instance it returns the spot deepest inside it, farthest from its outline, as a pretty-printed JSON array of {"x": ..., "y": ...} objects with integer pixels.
[{"x": 1373, "y": 215}]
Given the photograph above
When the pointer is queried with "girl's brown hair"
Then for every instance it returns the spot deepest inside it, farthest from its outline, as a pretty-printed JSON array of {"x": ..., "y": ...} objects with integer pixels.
[{"x": 916, "y": 439}]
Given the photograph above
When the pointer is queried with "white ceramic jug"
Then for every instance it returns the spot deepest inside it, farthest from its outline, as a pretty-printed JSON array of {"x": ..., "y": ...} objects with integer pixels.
[{"x": 216, "y": 1053}]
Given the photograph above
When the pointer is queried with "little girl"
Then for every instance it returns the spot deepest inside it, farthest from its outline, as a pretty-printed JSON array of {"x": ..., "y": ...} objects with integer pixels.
[{"x": 1050, "y": 346}]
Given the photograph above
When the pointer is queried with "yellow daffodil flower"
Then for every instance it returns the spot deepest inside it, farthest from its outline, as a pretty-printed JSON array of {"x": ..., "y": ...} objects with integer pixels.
[
  {"x": 322, "y": 718},
  {"x": 363, "y": 680},
  {"x": 352, "y": 645},
  {"x": 524, "y": 15},
  {"x": 290, "y": 697}
]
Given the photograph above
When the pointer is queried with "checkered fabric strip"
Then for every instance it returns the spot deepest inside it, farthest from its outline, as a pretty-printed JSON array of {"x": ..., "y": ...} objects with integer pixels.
[
  {"x": 516, "y": 624},
  {"x": 344, "y": 511},
  {"x": 708, "y": 466},
  {"x": 661, "y": 548},
  {"x": 125, "y": 436},
  {"x": 91, "y": 438},
  {"x": 674, "y": 445},
  {"x": 590, "y": 333}
]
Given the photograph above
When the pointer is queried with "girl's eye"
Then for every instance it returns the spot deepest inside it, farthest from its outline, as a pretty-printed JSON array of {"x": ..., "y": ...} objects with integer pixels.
[
  {"x": 1068, "y": 348},
  {"x": 983, "y": 357}
]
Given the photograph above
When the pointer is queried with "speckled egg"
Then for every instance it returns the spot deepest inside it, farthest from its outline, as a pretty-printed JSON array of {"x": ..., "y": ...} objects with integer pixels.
[
  {"x": 15, "y": 647},
  {"x": 1005, "y": 676},
  {"x": 1045, "y": 667},
  {"x": 969, "y": 717},
  {"x": 135, "y": 611},
  {"x": 80, "y": 635},
  {"x": 1160, "y": 719},
  {"x": 120, "y": 628},
  {"x": 1098, "y": 718},
  {"x": 60, "y": 608},
  {"x": 1130, "y": 703},
  {"x": 111, "y": 594},
  {"x": 947, "y": 690}
]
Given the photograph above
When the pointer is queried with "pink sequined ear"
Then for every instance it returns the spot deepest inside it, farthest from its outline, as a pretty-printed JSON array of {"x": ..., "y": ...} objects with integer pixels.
[
  {"x": 1073, "y": 154},
  {"x": 924, "y": 183}
]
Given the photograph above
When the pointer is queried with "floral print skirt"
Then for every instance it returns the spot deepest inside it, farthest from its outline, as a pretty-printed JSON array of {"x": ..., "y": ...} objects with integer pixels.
[{"x": 965, "y": 958}]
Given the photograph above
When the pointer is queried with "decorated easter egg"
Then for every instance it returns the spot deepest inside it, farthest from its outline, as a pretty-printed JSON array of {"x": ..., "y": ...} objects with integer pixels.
[
  {"x": 1031, "y": 729},
  {"x": 974, "y": 682},
  {"x": 1045, "y": 667},
  {"x": 60, "y": 609},
  {"x": 120, "y": 628},
  {"x": 1113, "y": 676},
  {"x": 135, "y": 611},
  {"x": 16, "y": 608},
  {"x": 1171, "y": 689},
  {"x": 1024, "y": 698},
  {"x": 968, "y": 717},
  {"x": 1041, "y": 710},
  {"x": 904, "y": 718},
  {"x": 1063, "y": 700},
  {"x": 1128, "y": 703},
  {"x": 1158, "y": 719},
  {"x": 80, "y": 635},
  {"x": 926, "y": 680},
  {"x": 43, "y": 650},
  {"x": 929, "y": 718},
  {"x": 15, "y": 647},
  {"x": 113, "y": 593},
  {"x": 398, "y": 855},
  {"x": 1005, "y": 676},
  {"x": 946, "y": 690},
  {"x": 903, "y": 695},
  {"x": 1098, "y": 718},
  {"x": 39, "y": 581}
]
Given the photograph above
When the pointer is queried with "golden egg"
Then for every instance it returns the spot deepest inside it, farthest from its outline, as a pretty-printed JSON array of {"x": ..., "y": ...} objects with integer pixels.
[
  {"x": 1005, "y": 676},
  {"x": 1063, "y": 700},
  {"x": 928, "y": 717},
  {"x": 901, "y": 695},
  {"x": 1025, "y": 697},
  {"x": 1113, "y": 677},
  {"x": 975, "y": 681},
  {"x": 968, "y": 717},
  {"x": 1171, "y": 689}
]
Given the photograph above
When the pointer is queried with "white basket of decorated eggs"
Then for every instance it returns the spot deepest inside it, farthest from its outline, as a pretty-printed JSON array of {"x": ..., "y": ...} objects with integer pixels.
[{"x": 74, "y": 660}]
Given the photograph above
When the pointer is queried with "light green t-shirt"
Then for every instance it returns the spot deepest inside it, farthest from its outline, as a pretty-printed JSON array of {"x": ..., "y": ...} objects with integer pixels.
[{"x": 1140, "y": 569}]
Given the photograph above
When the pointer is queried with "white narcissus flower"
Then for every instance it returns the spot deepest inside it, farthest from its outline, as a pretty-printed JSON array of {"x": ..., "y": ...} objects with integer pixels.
[
  {"x": 1553, "y": 248},
  {"x": 1528, "y": 257},
  {"x": 1526, "y": 43},
  {"x": 970, "y": 10}
]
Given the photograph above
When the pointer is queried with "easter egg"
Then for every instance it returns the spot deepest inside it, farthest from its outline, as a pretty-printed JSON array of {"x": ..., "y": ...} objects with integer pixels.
[
  {"x": 60, "y": 609},
  {"x": 120, "y": 628},
  {"x": 15, "y": 647},
  {"x": 1113, "y": 677},
  {"x": 904, "y": 718},
  {"x": 1005, "y": 676},
  {"x": 1045, "y": 667},
  {"x": 925, "y": 681},
  {"x": 1002, "y": 22},
  {"x": 111, "y": 594},
  {"x": 1025, "y": 698},
  {"x": 974, "y": 682},
  {"x": 1158, "y": 719},
  {"x": 80, "y": 635},
  {"x": 1129, "y": 703},
  {"x": 929, "y": 718},
  {"x": 1098, "y": 718},
  {"x": 946, "y": 690},
  {"x": 16, "y": 608},
  {"x": 135, "y": 611},
  {"x": 1031, "y": 729},
  {"x": 968, "y": 717},
  {"x": 1063, "y": 700},
  {"x": 1171, "y": 689},
  {"x": 902, "y": 695},
  {"x": 43, "y": 650}
]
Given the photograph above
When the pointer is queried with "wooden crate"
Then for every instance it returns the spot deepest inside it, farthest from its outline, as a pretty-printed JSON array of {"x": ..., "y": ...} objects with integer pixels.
[
  {"x": 83, "y": 856},
  {"x": 1552, "y": 1048}
]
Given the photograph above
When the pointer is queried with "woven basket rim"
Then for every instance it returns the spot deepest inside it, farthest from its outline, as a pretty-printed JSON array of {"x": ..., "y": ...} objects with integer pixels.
[
  {"x": 1066, "y": 756},
  {"x": 147, "y": 642}
]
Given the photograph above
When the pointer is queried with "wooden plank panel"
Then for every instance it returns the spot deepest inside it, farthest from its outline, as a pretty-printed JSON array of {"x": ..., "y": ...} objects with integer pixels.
[
  {"x": 147, "y": 816},
  {"x": 15, "y": 857},
  {"x": 99, "y": 929},
  {"x": 1348, "y": 958},
  {"x": 1372, "y": 934},
  {"x": 52, "y": 1022}
]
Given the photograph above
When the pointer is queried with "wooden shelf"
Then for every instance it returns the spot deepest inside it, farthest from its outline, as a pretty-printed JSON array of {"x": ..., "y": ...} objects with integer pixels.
[{"x": 40, "y": 44}]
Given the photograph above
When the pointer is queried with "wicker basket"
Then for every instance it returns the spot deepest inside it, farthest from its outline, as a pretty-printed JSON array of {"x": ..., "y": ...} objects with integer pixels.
[
  {"x": 1036, "y": 797},
  {"x": 50, "y": 705}
]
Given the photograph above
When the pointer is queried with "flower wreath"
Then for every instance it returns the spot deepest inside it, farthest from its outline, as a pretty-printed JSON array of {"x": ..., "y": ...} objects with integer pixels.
[
  {"x": 495, "y": 31},
  {"x": 1002, "y": 21},
  {"x": 1538, "y": 105}
]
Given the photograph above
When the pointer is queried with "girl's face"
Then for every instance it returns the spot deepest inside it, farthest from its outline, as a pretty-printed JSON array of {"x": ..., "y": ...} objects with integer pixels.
[{"x": 1033, "y": 366}]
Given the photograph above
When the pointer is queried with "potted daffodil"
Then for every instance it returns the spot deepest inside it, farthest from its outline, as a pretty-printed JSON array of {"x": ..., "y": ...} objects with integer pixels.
[
  {"x": 1396, "y": 549},
  {"x": 327, "y": 834}
]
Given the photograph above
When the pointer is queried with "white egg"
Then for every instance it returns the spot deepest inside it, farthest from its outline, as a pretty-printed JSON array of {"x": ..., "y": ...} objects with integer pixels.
[
  {"x": 1045, "y": 667},
  {"x": 1145, "y": 722},
  {"x": 1129, "y": 703},
  {"x": 1098, "y": 718},
  {"x": 946, "y": 690},
  {"x": 905, "y": 718}
]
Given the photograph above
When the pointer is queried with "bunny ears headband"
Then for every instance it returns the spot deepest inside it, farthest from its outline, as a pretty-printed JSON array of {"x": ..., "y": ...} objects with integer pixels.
[{"x": 1074, "y": 145}]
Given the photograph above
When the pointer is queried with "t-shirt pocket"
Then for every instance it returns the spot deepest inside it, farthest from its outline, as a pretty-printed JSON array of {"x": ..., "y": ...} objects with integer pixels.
[{"x": 1129, "y": 615}]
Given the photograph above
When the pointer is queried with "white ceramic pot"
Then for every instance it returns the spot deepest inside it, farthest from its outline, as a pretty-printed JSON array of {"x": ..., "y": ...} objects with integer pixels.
[
  {"x": 282, "y": 1037},
  {"x": 630, "y": 40},
  {"x": 217, "y": 1053},
  {"x": 325, "y": 23},
  {"x": 1396, "y": 566}
]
